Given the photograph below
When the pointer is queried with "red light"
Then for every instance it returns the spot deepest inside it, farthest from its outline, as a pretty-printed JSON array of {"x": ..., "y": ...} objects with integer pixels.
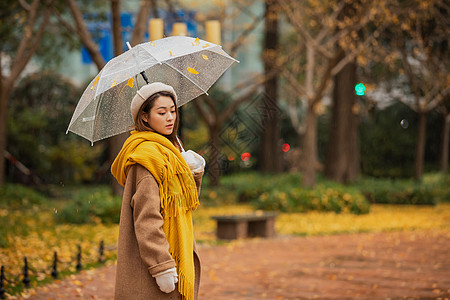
[
  {"x": 231, "y": 157},
  {"x": 286, "y": 147},
  {"x": 245, "y": 156}
]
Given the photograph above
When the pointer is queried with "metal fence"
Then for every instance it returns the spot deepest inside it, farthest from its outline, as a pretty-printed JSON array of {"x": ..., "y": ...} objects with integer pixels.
[{"x": 24, "y": 277}]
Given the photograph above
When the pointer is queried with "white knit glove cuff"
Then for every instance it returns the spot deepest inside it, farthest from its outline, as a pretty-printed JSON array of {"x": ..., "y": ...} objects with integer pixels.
[{"x": 166, "y": 280}]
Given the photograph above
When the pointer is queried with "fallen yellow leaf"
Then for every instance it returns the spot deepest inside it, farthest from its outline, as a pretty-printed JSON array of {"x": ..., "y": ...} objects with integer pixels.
[
  {"x": 205, "y": 57},
  {"x": 77, "y": 282}
]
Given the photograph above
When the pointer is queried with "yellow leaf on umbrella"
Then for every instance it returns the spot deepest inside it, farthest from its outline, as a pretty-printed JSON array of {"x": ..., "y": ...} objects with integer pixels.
[
  {"x": 94, "y": 83},
  {"x": 205, "y": 46},
  {"x": 196, "y": 42},
  {"x": 192, "y": 70},
  {"x": 130, "y": 82},
  {"x": 205, "y": 57},
  {"x": 171, "y": 53},
  {"x": 114, "y": 84},
  {"x": 152, "y": 44}
]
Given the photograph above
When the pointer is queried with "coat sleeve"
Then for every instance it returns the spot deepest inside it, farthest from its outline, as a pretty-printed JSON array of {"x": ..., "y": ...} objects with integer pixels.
[{"x": 148, "y": 222}]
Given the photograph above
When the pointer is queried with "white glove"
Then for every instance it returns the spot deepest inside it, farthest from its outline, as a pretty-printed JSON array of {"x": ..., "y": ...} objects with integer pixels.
[
  {"x": 194, "y": 160},
  {"x": 166, "y": 280}
]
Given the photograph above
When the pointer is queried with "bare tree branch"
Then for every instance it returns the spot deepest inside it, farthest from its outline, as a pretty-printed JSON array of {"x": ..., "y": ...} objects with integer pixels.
[
  {"x": 207, "y": 117},
  {"x": 325, "y": 79},
  {"x": 235, "y": 104},
  {"x": 301, "y": 30},
  {"x": 299, "y": 127},
  {"x": 294, "y": 82},
  {"x": 25, "y": 5},
  {"x": 351, "y": 56},
  {"x": 437, "y": 100},
  {"x": 63, "y": 22},
  {"x": 239, "y": 41},
  {"x": 30, "y": 41},
  {"x": 24, "y": 42},
  {"x": 327, "y": 29},
  {"x": 85, "y": 36},
  {"x": 141, "y": 24}
]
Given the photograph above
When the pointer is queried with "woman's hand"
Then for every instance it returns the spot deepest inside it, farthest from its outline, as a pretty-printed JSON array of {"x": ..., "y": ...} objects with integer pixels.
[
  {"x": 166, "y": 280},
  {"x": 195, "y": 161}
]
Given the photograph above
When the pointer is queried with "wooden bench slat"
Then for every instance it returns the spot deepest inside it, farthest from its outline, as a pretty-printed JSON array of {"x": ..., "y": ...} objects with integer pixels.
[{"x": 249, "y": 225}]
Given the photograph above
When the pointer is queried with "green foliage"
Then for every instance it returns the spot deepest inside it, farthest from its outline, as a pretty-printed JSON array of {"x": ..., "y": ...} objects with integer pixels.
[
  {"x": 15, "y": 196},
  {"x": 15, "y": 200},
  {"x": 439, "y": 184},
  {"x": 283, "y": 193},
  {"x": 321, "y": 198},
  {"x": 91, "y": 205},
  {"x": 388, "y": 145},
  {"x": 432, "y": 189},
  {"x": 38, "y": 117}
]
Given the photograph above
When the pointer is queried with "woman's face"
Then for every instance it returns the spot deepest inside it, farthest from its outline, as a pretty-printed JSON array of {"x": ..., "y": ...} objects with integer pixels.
[{"x": 162, "y": 116}]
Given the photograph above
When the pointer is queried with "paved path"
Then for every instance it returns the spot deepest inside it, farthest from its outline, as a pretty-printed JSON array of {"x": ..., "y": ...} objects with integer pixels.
[{"x": 398, "y": 265}]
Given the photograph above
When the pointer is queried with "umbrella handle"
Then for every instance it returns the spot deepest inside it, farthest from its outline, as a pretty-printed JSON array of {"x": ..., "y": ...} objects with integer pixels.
[
  {"x": 144, "y": 76},
  {"x": 143, "y": 72}
]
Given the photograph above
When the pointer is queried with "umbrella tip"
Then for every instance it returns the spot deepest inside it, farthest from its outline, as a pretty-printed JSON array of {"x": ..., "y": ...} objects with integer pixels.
[{"x": 129, "y": 46}]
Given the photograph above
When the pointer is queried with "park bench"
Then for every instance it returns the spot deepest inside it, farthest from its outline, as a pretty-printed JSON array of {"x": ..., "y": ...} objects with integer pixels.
[{"x": 260, "y": 224}]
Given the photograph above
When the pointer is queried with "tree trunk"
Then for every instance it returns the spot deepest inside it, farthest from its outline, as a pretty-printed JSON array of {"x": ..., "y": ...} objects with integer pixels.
[
  {"x": 213, "y": 164},
  {"x": 115, "y": 143},
  {"x": 342, "y": 160},
  {"x": 420, "y": 146},
  {"x": 141, "y": 22},
  {"x": 116, "y": 27},
  {"x": 4, "y": 98},
  {"x": 309, "y": 157},
  {"x": 270, "y": 135},
  {"x": 445, "y": 142},
  {"x": 354, "y": 153}
]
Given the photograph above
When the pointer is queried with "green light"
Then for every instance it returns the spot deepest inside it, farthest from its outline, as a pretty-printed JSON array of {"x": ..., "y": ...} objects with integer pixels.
[{"x": 360, "y": 89}]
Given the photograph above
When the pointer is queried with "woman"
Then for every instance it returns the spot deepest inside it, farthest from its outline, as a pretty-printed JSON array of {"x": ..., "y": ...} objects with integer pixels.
[{"x": 156, "y": 257}]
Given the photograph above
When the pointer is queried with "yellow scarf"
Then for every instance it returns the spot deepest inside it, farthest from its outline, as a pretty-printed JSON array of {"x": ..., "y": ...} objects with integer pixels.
[{"x": 178, "y": 194}]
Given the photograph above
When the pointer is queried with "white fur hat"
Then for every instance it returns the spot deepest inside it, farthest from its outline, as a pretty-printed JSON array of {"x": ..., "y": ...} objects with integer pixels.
[{"x": 145, "y": 92}]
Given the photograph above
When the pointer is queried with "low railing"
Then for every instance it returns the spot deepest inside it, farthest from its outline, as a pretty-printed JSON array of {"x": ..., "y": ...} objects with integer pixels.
[{"x": 25, "y": 279}]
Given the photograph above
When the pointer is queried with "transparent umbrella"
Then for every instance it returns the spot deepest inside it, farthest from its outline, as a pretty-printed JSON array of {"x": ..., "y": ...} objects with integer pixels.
[{"x": 189, "y": 65}]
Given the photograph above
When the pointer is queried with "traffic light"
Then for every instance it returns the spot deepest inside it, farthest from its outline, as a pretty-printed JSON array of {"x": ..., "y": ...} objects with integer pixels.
[
  {"x": 246, "y": 156},
  {"x": 360, "y": 89}
]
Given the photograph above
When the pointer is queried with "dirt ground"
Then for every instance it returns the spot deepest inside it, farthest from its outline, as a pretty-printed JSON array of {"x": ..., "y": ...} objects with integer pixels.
[{"x": 396, "y": 265}]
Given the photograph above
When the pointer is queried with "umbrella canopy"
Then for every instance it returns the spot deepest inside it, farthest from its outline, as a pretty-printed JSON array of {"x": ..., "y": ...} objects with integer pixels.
[{"x": 189, "y": 65}]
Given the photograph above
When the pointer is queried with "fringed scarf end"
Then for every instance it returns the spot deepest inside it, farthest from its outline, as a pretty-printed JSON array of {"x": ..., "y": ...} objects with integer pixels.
[{"x": 186, "y": 286}]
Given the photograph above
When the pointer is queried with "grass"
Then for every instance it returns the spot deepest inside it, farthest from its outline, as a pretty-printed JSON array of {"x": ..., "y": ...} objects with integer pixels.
[{"x": 381, "y": 218}]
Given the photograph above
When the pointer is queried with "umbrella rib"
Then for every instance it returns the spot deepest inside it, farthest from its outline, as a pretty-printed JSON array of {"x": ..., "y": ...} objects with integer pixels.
[{"x": 187, "y": 78}]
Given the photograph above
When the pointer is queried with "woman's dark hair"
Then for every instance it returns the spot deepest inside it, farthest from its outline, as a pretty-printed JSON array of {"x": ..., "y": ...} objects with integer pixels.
[{"x": 141, "y": 125}]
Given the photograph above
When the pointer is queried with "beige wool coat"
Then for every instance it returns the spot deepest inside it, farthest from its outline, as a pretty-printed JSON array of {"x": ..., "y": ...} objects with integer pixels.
[{"x": 143, "y": 249}]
